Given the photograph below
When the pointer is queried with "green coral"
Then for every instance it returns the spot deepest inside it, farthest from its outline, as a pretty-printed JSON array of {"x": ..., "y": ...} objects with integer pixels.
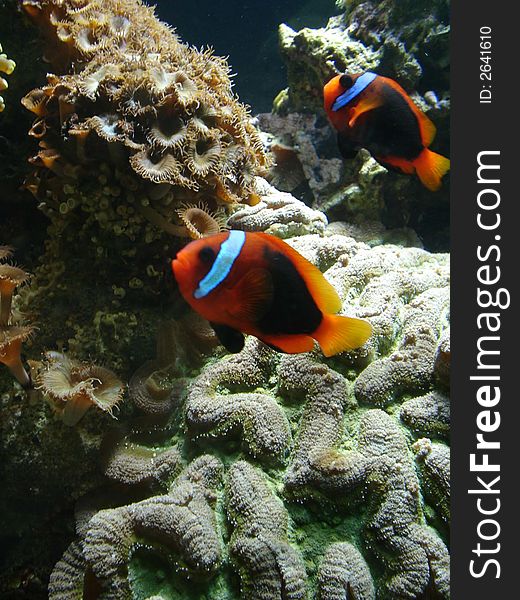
[{"x": 322, "y": 492}]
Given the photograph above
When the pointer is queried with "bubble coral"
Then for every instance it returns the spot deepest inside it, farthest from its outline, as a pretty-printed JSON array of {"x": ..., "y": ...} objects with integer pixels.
[
  {"x": 7, "y": 66},
  {"x": 73, "y": 387}
]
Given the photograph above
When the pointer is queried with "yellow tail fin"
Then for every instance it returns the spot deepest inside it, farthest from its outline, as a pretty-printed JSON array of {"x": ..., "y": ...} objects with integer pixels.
[
  {"x": 431, "y": 167},
  {"x": 340, "y": 334}
]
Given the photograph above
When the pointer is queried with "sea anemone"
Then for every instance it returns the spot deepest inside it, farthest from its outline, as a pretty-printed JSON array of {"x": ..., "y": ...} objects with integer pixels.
[
  {"x": 5, "y": 252},
  {"x": 11, "y": 339},
  {"x": 183, "y": 88},
  {"x": 10, "y": 278},
  {"x": 203, "y": 155},
  {"x": 200, "y": 221},
  {"x": 156, "y": 168},
  {"x": 73, "y": 387},
  {"x": 36, "y": 101},
  {"x": 168, "y": 130}
]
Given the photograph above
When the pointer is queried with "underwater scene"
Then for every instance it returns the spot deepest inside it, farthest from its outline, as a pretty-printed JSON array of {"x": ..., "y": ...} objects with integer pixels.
[{"x": 224, "y": 300}]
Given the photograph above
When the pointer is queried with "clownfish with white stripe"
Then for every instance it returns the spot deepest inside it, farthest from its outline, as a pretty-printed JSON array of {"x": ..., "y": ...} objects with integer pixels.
[
  {"x": 256, "y": 284},
  {"x": 374, "y": 112}
]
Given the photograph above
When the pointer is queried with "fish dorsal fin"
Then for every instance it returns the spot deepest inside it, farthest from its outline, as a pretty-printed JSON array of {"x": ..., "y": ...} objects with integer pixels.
[
  {"x": 323, "y": 293},
  {"x": 363, "y": 106},
  {"x": 254, "y": 294},
  {"x": 426, "y": 127}
]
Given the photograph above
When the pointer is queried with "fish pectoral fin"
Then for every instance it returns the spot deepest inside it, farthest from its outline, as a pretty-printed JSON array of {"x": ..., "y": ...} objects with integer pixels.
[
  {"x": 290, "y": 344},
  {"x": 254, "y": 295},
  {"x": 346, "y": 147},
  {"x": 230, "y": 338},
  {"x": 362, "y": 107}
]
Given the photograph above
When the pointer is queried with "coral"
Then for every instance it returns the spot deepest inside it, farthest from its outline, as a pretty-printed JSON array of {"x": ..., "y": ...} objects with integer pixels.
[
  {"x": 10, "y": 278},
  {"x": 73, "y": 387},
  {"x": 140, "y": 98},
  {"x": 410, "y": 367},
  {"x": 132, "y": 127},
  {"x": 131, "y": 463},
  {"x": 434, "y": 462},
  {"x": 13, "y": 333},
  {"x": 200, "y": 221},
  {"x": 344, "y": 574},
  {"x": 279, "y": 214},
  {"x": 428, "y": 414},
  {"x": 328, "y": 493},
  {"x": 269, "y": 566},
  {"x": 390, "y": 40},
  {"x": 7, "y": 66},
  {"x": 181, "y": 522},
  {"x": 263, "y": 425},
  {"x": 11, "y": 339}
]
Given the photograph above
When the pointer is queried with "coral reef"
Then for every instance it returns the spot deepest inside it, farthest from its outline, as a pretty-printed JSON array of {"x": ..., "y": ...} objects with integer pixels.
[
  {"x": 13, "y": 333},
  {"x": 279, "y": 214},
  {"x": 140, "y": 140},
  {"x": 326, "y": 487},
  {"x": 407, "y": 43},
  {"x": 344, "y": 574},
  {"x": 7, "y": 66}
]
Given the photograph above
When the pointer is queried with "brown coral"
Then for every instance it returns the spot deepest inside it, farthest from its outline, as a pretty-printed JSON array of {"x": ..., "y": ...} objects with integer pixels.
[
  {"x": 11, "y": 339},
  {"x": 200, "y": 221},
  {"x": 73, "y": 387},
  {"x": 270, "y": 568},
  {"x": 142, "y": 100},
  {"x": 10, "y": 278},
  {"x": 181, "y": 523}
]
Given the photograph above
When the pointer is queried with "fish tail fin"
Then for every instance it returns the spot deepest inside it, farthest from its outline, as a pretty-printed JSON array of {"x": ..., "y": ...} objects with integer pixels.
[
  {"x": 340, "y": 334},
  {"x": 430, "y": 168}
]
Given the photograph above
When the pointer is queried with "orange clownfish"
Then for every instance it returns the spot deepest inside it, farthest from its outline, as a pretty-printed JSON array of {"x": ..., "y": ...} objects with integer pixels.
[
  {"x": 256, "y": 284},
  {"x": 374, "y": 112}
]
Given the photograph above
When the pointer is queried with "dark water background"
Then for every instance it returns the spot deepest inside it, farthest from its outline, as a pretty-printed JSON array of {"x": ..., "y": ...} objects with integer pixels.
[{"x": 247, "y": 32}]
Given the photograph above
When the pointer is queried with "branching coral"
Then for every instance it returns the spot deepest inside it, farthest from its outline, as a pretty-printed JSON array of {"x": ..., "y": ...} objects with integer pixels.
[
  {"x": 73, "y": 387},
  {"x": 270, "y": 568},
  {"x": 7, "y": 66}
]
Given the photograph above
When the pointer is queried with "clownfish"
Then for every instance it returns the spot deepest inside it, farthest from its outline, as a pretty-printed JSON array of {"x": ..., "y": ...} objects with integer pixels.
[
  {"x": 255, "y": 283},
  {"x": 374, "y": 112}
]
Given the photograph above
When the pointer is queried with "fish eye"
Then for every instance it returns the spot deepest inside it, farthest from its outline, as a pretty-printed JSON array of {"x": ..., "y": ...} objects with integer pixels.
[
  {"x": 346, "y": 81},
  {"x": 207, "y": 255}
]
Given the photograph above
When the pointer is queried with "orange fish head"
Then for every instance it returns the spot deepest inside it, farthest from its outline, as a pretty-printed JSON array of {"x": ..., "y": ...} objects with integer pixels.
[
  {"x": 331, "y": 91},
  {"x": 193, "y": 262}
]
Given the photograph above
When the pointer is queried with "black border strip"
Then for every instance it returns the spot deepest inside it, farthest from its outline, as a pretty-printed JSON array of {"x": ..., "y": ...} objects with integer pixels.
[{"x": 478, "y": 127}]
